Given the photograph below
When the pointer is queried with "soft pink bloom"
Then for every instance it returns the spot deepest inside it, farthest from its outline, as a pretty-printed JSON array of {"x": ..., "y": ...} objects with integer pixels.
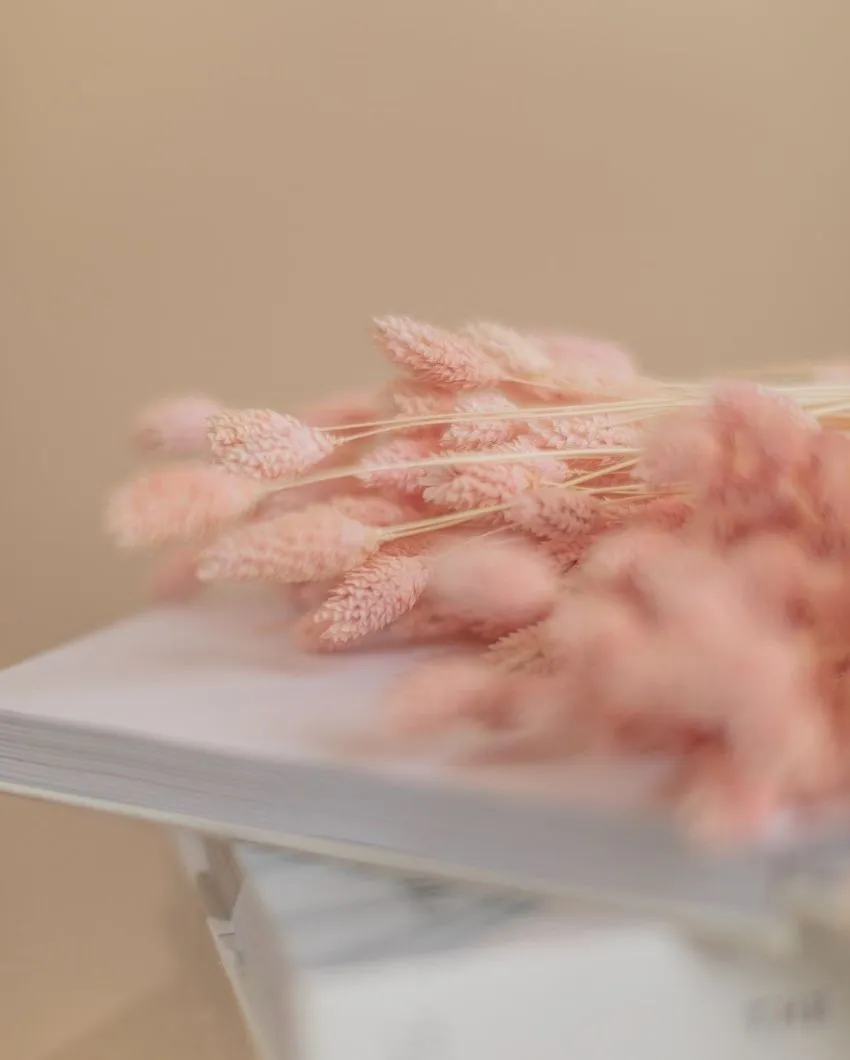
[
  {"x": 175, "y": 426},
  {"x": 400, "y": 451},
  {"x": 443, "y": 693},
  {"x": 586, "y": 362},
  {"x": 477, "y": 485},
  {"x": 488, "y": 579},
  {"x": 518, "y": 354},
  {"x": 370, "y": 597},
  {"x": 589, "y": 432},
  {"x": 374, "y": 509},
  {"x": 311, "y": 545},
  {"x": 436, "y": 357},
  {"x": 178, "y": 502},
  {"x": 555, "y": 512},
  {"x": 267, "y": 445},
  {"x": 524, "y": 649},
  {"x": 483, "y": 433},
  {"x": 293, "y": 498},
  {"x": 418, "y": 399}
]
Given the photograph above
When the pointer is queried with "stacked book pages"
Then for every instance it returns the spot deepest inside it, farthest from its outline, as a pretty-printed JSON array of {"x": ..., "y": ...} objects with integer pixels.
[{"x": 206, "y": 716}]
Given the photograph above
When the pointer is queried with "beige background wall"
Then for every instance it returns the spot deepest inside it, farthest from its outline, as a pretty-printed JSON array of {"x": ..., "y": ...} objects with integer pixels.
[{"x": 219, "y": 193}]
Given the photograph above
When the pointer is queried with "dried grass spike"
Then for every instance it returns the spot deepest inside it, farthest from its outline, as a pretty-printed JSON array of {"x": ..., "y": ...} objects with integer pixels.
[
  {"x": 267, "y": 445},
  {"x": 436, "y": 357},
  {"x": 371, "y": 597},
  {"x": 179, "y": 502},
  {"x": 311, "y": 545},
  {"x": 175, "y": 427},
  {"x": 518, "y": 354}
]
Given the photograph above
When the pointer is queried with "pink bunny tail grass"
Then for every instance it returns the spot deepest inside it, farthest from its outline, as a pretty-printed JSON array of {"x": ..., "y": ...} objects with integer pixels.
[
  {"x": 356, "y": 406},
  {"x": 440, "y": 694},
  {"x": 588, "y": 363},
  {"x": 517, "y": 354},
  {"x": 555, "y": 512},
  {"x": 417, "y": 399},
  {"x": 483, "y": 434},
  {"x": 266, "y": 445},
  {"x": 589, "y": 432},
  {"x": 399, "y": 451},
  {"x": 311, "y": 545},
  {"x": 506, "y": 583},
  {"x": 375, "y": 510},
  {"x": 175, "y": 577},
  {"x": 471, "y": 486},
  {"x": 436, "y": 357},
  {"x": 179, "y": 502},
  {"x": 370, "y": 598},
  {"x": 175, "y": 427},
  {"x": 524, "y": 650}
]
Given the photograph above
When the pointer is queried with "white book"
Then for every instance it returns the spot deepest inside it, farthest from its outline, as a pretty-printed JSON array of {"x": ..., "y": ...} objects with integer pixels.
[
  {"x": 333, "y": 961},
  {"x": 206, "y": 716}
]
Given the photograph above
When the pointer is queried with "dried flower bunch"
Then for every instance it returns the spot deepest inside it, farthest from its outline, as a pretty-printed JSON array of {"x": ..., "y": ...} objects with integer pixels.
[{"x": 650, "y": 567}]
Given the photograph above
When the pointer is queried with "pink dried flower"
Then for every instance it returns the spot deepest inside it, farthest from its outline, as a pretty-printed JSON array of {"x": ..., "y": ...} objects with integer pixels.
[
  {"x": 519, "y": 355},
  {"x": 356, "y": 406},
  {"x": 681, "y": 448},
  {"x": 399, "y": 451},
  {"x": 311, "y": 545},
  {"x": 484, "y": 433},
  {"x": 436, "y": 357},
  {"x": 177, "y": 502},
  {"x": 370, "y": 597},
  {"x": 175, "y": 577},
  {"x": 428, "y": 623},
  {"x": 417, "y": 399},
  {"x": 522, "y": 650},
  {"x": 374, "y": 509},
  {"x": 555, "y": 512},
  {"x": 589, "y": 432},
  {"x": 502, "y": 582},
  {"x": 479, "y": 485},
  {"x": 265, "y": 444},
  {"x": 444, "y": 692},
  {"x": 175, "y": 426},
  {"x": 588, "y": 363},
  {"x": 293, "y": 498}
]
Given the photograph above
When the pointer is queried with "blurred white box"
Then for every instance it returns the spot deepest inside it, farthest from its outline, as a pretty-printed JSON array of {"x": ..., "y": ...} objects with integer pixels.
[{"x": 336, "y": 961}]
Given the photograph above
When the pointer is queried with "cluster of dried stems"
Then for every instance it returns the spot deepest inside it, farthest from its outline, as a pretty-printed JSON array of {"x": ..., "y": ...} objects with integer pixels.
[{"x": 648, "y": 567}]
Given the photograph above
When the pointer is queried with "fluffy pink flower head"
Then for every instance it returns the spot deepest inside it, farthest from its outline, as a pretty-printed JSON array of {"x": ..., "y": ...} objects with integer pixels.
[
  {"x": 177, "y": 503},
  {"x": 484, "y": 433},
  {"x": 176, "y": 426},
  {"x": 680, "y": 449},
  {"x": 555, "y": 512},
  {"x": 589, "y": 432},
  {"x": 443, "y": 693},
  {"x": 369, "y": 598},
  {"x": 400, "y": 451},
  {"x": 417, "y": 399},
  {"x": 266, "y": 445},
  {"x": 587, "y": 362},
  {"x": 374, "y": 509},
  {"x": 518, "y": 355},
  {"x": 479, "y": 485},
  {"x": 504, "y": 582},
  {"x": 828, "y": 486},
  {"x": 436, "y": 357},
  {"x": 311, "y": 545}
]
